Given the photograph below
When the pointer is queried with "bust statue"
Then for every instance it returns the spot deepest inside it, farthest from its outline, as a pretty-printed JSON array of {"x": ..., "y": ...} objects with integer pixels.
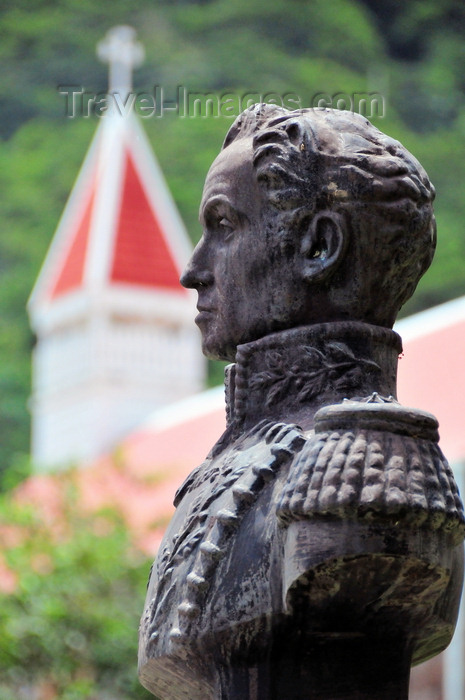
[{"x": 317, "y": 551}]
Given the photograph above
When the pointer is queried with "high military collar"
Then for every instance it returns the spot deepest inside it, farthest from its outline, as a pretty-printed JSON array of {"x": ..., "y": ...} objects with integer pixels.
[{"x": 287, "y": 376}]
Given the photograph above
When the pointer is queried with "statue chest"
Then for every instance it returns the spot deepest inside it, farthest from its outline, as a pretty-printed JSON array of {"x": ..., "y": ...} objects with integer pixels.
[{"x": 217, "y": 560}]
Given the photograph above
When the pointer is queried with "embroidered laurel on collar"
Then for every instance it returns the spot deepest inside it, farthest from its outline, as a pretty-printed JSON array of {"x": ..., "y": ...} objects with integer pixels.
[
  {"x": 317, "y": 365},
  {"x": 314, "y": 372}
]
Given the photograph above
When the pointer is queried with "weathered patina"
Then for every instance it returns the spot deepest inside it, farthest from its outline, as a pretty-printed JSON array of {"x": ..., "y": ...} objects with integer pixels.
[{"x": 317, "y": 552}]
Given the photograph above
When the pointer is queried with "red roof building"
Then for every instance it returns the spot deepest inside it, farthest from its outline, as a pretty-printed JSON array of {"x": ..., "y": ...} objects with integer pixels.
[{"x": 115, "y": 338}]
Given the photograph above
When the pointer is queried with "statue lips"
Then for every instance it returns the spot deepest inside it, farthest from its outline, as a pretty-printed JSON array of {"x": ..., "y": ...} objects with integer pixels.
[{"x": 205, "y": 312}]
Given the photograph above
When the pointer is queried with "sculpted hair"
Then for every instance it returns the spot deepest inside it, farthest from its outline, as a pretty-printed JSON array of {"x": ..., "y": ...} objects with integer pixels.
[{"x": 312, "y": 160}]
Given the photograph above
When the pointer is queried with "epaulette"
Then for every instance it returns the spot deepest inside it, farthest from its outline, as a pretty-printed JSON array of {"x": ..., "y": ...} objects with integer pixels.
[{"x": 374, "y": 460}]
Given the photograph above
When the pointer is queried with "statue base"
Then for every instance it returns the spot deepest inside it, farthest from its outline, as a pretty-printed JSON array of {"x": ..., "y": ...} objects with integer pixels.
[{"x": 345, "y": 668}]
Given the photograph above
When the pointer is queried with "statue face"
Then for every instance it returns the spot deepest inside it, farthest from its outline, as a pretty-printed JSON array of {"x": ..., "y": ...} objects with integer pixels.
[{"x": 247, "y": 281}]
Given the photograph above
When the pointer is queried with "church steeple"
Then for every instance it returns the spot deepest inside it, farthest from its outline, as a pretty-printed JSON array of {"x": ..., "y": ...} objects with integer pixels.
[{"x": 114, "y": 326}]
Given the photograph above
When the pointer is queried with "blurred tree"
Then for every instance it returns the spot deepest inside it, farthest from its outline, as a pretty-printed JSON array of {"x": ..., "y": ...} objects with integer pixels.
[{"x": 68, "y": 627}]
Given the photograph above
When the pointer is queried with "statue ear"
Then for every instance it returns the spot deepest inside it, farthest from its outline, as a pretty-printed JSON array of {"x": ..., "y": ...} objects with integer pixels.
[{"x": 323, "y": 244}]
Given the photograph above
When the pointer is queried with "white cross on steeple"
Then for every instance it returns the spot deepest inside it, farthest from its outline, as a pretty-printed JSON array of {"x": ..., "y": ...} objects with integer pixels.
[{"x": 122, "y": 52}]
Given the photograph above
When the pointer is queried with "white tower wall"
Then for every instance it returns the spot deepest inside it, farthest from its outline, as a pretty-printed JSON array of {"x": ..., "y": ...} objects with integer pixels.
[{"x": 98, "y": 377}]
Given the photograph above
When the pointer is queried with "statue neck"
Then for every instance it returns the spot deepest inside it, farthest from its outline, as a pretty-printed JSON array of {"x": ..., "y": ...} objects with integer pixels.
[{"x": 291, "y": 374}]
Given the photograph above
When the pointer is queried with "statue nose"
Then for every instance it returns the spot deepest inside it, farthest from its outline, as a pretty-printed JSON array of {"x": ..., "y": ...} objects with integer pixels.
[
  {"x": 197, "y": 273},
  {"x": 193, "y": 277}
]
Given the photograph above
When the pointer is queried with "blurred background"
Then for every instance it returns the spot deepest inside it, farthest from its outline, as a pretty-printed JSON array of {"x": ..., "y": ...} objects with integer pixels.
[{"x": 68, "y": 625}]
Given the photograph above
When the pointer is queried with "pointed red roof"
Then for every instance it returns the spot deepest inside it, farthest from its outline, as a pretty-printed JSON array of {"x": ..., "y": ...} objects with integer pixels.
[
  {"x": 141, "y": 254},
  {"x": 120, "y": 226},
  {"x": 72, "y": 270}
]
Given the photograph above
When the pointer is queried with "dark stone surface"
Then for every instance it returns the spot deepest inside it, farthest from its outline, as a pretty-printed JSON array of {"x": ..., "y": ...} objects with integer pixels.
[{"x": 317, "y": 552}]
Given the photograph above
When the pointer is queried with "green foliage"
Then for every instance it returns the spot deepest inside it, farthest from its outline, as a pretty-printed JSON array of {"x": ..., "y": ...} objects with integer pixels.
[{"x": 69, "y": 629}]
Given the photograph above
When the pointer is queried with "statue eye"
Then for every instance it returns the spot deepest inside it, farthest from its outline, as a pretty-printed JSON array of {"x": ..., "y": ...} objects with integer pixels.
[{"x": 226, "y": 227}]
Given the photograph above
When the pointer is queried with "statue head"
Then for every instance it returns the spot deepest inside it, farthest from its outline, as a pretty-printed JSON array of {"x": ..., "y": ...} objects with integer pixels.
[{"x": 308, "y": 216}]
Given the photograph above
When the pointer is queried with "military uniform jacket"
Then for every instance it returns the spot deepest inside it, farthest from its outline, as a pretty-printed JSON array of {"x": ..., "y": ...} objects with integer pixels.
[{"x": 314, "y": 437}]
